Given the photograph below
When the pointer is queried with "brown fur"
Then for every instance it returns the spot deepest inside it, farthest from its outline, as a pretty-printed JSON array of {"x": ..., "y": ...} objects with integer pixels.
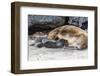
[{"x": 75, "y": 36}]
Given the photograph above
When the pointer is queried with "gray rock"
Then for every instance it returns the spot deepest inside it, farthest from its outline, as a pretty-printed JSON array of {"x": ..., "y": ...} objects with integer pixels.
[
  {"x": 39, "y": 39},
  {"x": 39, "y": 22},
  {"x": 54, "y": 21},
  {"x": 81, "y": 22}
]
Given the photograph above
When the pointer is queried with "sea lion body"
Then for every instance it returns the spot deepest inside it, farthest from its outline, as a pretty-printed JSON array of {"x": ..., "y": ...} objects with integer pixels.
[{"x": 75, "y": 36}]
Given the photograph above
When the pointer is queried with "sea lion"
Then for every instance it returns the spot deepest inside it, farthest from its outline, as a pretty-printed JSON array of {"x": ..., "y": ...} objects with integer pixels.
[{"x": 76, "y": 37}]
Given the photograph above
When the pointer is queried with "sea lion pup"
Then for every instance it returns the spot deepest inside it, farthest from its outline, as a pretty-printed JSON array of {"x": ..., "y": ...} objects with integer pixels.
[{"x": 74, "y": 36}]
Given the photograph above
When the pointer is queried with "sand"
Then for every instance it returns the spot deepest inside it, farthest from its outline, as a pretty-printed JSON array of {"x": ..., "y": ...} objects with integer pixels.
[{"x": 43, "y": 54}]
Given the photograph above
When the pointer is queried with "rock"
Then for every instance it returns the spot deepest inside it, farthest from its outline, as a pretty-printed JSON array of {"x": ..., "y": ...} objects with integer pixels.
[
  {"x": 38, "y": 35},
  {"x": 84, "y": 25},
  {"x": 39, "y": 39},
  {"x": 40, "y": 23},
  {"x": 81, "y": 22},
  {"x": 32, "y": 44}
]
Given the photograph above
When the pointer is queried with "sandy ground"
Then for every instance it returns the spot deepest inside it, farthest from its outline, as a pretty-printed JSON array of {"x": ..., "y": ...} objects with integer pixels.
[{"x": 42, "y": 54}]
